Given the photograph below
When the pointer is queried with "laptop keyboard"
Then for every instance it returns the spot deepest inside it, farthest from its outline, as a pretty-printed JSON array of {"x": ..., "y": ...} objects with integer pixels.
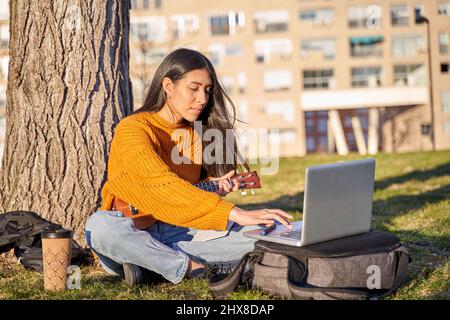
[{"x": 292, "y": 235}]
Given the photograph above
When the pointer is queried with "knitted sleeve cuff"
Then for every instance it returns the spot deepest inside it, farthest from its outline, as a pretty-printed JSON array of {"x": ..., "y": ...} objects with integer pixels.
[{"x": 218, "y": 219}]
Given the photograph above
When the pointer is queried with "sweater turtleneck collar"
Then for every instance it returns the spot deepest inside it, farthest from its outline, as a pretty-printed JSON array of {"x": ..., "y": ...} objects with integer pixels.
[{"x": 166, "y": 124}]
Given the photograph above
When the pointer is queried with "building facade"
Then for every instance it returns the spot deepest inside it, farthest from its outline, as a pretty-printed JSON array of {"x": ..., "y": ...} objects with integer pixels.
[
  {"x": 328, "y": 75},
  {"x": 316, "y": 75}
]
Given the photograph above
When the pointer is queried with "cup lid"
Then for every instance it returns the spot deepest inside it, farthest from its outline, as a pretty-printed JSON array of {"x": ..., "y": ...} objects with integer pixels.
[{"x": 58, "y": 234}]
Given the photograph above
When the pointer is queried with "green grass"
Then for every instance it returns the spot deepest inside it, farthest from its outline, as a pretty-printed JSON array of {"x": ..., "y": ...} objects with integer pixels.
[{"x": 412, "y": 200}]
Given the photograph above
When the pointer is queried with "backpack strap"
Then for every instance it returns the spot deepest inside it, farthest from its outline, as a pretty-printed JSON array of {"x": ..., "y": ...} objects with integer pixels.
[{"x": 401, "y": 269}]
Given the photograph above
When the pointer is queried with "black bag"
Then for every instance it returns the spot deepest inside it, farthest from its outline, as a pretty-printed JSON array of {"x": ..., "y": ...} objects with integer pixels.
[
  {"x": 21, "y": 230},
  {"x": 365, "y": 266}
]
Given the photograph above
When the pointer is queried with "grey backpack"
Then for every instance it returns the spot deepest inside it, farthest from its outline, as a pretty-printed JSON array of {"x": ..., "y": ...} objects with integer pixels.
[{"x": 365, "y": 266}]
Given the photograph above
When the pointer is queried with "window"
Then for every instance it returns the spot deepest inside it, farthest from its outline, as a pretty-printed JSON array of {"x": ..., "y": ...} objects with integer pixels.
[
  {"x": 226, "y": 24},
  {"x": 234, "y": 50},
  {"x": 445, "y": 67},
  {"x": 443, "y": 42},
  {"x": 134, "y": 4},
  {"x": 316, "y": 131},
  {"x": 327, "y": 47},
  {"x": 148, "y": 28},
  {"x": 4, "y": 37},
  {"x": 182, "y": 25},
  {"x": 444, "y": 8},
  {"x": 243, "y": 111},
  {"x": 366, "y": 46},
  {"x": 4, "y": 61},
  {"x": 149, "y": 56},
  {"x": 317, "y": 79},
  {"x": 445, "y": 102},
  {"x": 2, "y": 96},
  {"x": 399, "y": 15},
  {"x": 410, "y": 75},
  {"x": 242, "y": 81},
  {"x": 219, "y": 25},
  {"x": 265, "y": 50},
  {"x": 277, "y": 80},
  {"x": 366, "y": 16},
  {"x": 447, "y": 127},
  {"x": 227, "y": 83},
  {"x": 317, "y": 17},
  {"x": 366, "y": 77},
  {"x": 284, "y": 108},
  {"x": 407, "y": 45},
  {"x": 218, "y": 52},
  {"x": 271, "y": 21},
  {"x": 145, "y": 4},
  {"x": 4, "y": 10},
  {"x": 158, "y": 4}
]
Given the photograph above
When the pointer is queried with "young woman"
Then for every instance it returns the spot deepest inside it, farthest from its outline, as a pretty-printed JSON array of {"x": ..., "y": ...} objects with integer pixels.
[{"x": 146, "y": 171}]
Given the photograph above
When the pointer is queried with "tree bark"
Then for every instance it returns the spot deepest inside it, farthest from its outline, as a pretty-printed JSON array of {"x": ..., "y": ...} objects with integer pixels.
[{"x": 68, "y": 87}]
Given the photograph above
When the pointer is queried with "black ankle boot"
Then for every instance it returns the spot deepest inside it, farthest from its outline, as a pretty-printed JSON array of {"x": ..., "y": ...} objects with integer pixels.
[{"x": 133, "y": 274}]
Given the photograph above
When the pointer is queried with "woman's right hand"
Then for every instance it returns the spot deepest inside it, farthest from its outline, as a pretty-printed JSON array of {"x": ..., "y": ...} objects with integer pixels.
[{"x": 258, "y": 217}]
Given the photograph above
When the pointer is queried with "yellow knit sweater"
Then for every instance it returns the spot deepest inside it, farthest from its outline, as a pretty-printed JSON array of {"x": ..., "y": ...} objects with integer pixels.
[{"x": 142, "y": 173}]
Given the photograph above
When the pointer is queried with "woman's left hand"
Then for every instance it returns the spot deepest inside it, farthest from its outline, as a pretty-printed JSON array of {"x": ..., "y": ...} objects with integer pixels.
[{"x": 227, "y": 184}]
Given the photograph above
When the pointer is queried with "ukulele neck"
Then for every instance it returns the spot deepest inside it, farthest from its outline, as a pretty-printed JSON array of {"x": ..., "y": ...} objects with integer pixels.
[{"x": 211, "y": 186}]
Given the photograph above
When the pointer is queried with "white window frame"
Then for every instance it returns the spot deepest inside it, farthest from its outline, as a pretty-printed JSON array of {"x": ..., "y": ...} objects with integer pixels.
[
  {"x": 322, "y": 16},
  {"x": 284, "y": 108},
  {"x": 364, "y": 15},
  {"x": 268, "y": 48},
  {"x": 277, "y": 80},
  {"x": 330, "y": 80},
  {"x": 236, "y": 20},
  {"x": 444, "y": 8},
  {"x": 373, "y": 80},
  {"x": 402, "y": 14},
  {"x": 445, "y": 102},
  {"x": 156, "y": 28},
  {"x": 320, "y": 45},
  {"x": 418, "y": 40},
  {"x": 4, "y": 10},
  {"x": 408, "y": 75},
  {"x": 263, "y": 18},
  {"x": 180, "y": 20}
]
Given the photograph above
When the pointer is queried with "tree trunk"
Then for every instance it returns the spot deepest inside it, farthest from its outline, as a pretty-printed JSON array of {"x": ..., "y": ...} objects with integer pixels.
[{"x": 68, "y": 87}]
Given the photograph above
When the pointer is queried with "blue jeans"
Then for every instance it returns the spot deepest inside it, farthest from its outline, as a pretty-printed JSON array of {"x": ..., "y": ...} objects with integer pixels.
[{"x": 162, "y": 248}]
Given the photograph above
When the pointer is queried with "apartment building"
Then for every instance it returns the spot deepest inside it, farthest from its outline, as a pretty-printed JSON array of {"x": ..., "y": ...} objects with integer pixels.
[{"x": 327, "y": 75}]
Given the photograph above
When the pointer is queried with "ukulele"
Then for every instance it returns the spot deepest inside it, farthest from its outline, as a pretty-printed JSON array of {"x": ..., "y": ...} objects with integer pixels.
[{"x": 246, "y": 180}]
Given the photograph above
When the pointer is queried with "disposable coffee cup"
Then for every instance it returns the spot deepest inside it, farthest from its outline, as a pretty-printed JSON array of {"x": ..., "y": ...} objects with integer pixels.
[{"x": 56, "y": 256}]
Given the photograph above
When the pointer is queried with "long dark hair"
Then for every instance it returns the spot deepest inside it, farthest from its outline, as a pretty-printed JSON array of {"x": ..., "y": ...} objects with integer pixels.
[{"x": 214, "y": 115}]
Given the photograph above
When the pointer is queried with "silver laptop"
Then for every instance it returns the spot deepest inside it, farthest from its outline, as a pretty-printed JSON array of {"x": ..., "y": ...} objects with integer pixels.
[{"x": 337, "y": 203}]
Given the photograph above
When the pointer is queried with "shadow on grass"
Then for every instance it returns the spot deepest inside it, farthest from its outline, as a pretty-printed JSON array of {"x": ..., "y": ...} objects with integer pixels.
[
  {"x": 419, "y": 175},
  {"x": 402, "y": 204},
  {"x": 383, "y": 210}
]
